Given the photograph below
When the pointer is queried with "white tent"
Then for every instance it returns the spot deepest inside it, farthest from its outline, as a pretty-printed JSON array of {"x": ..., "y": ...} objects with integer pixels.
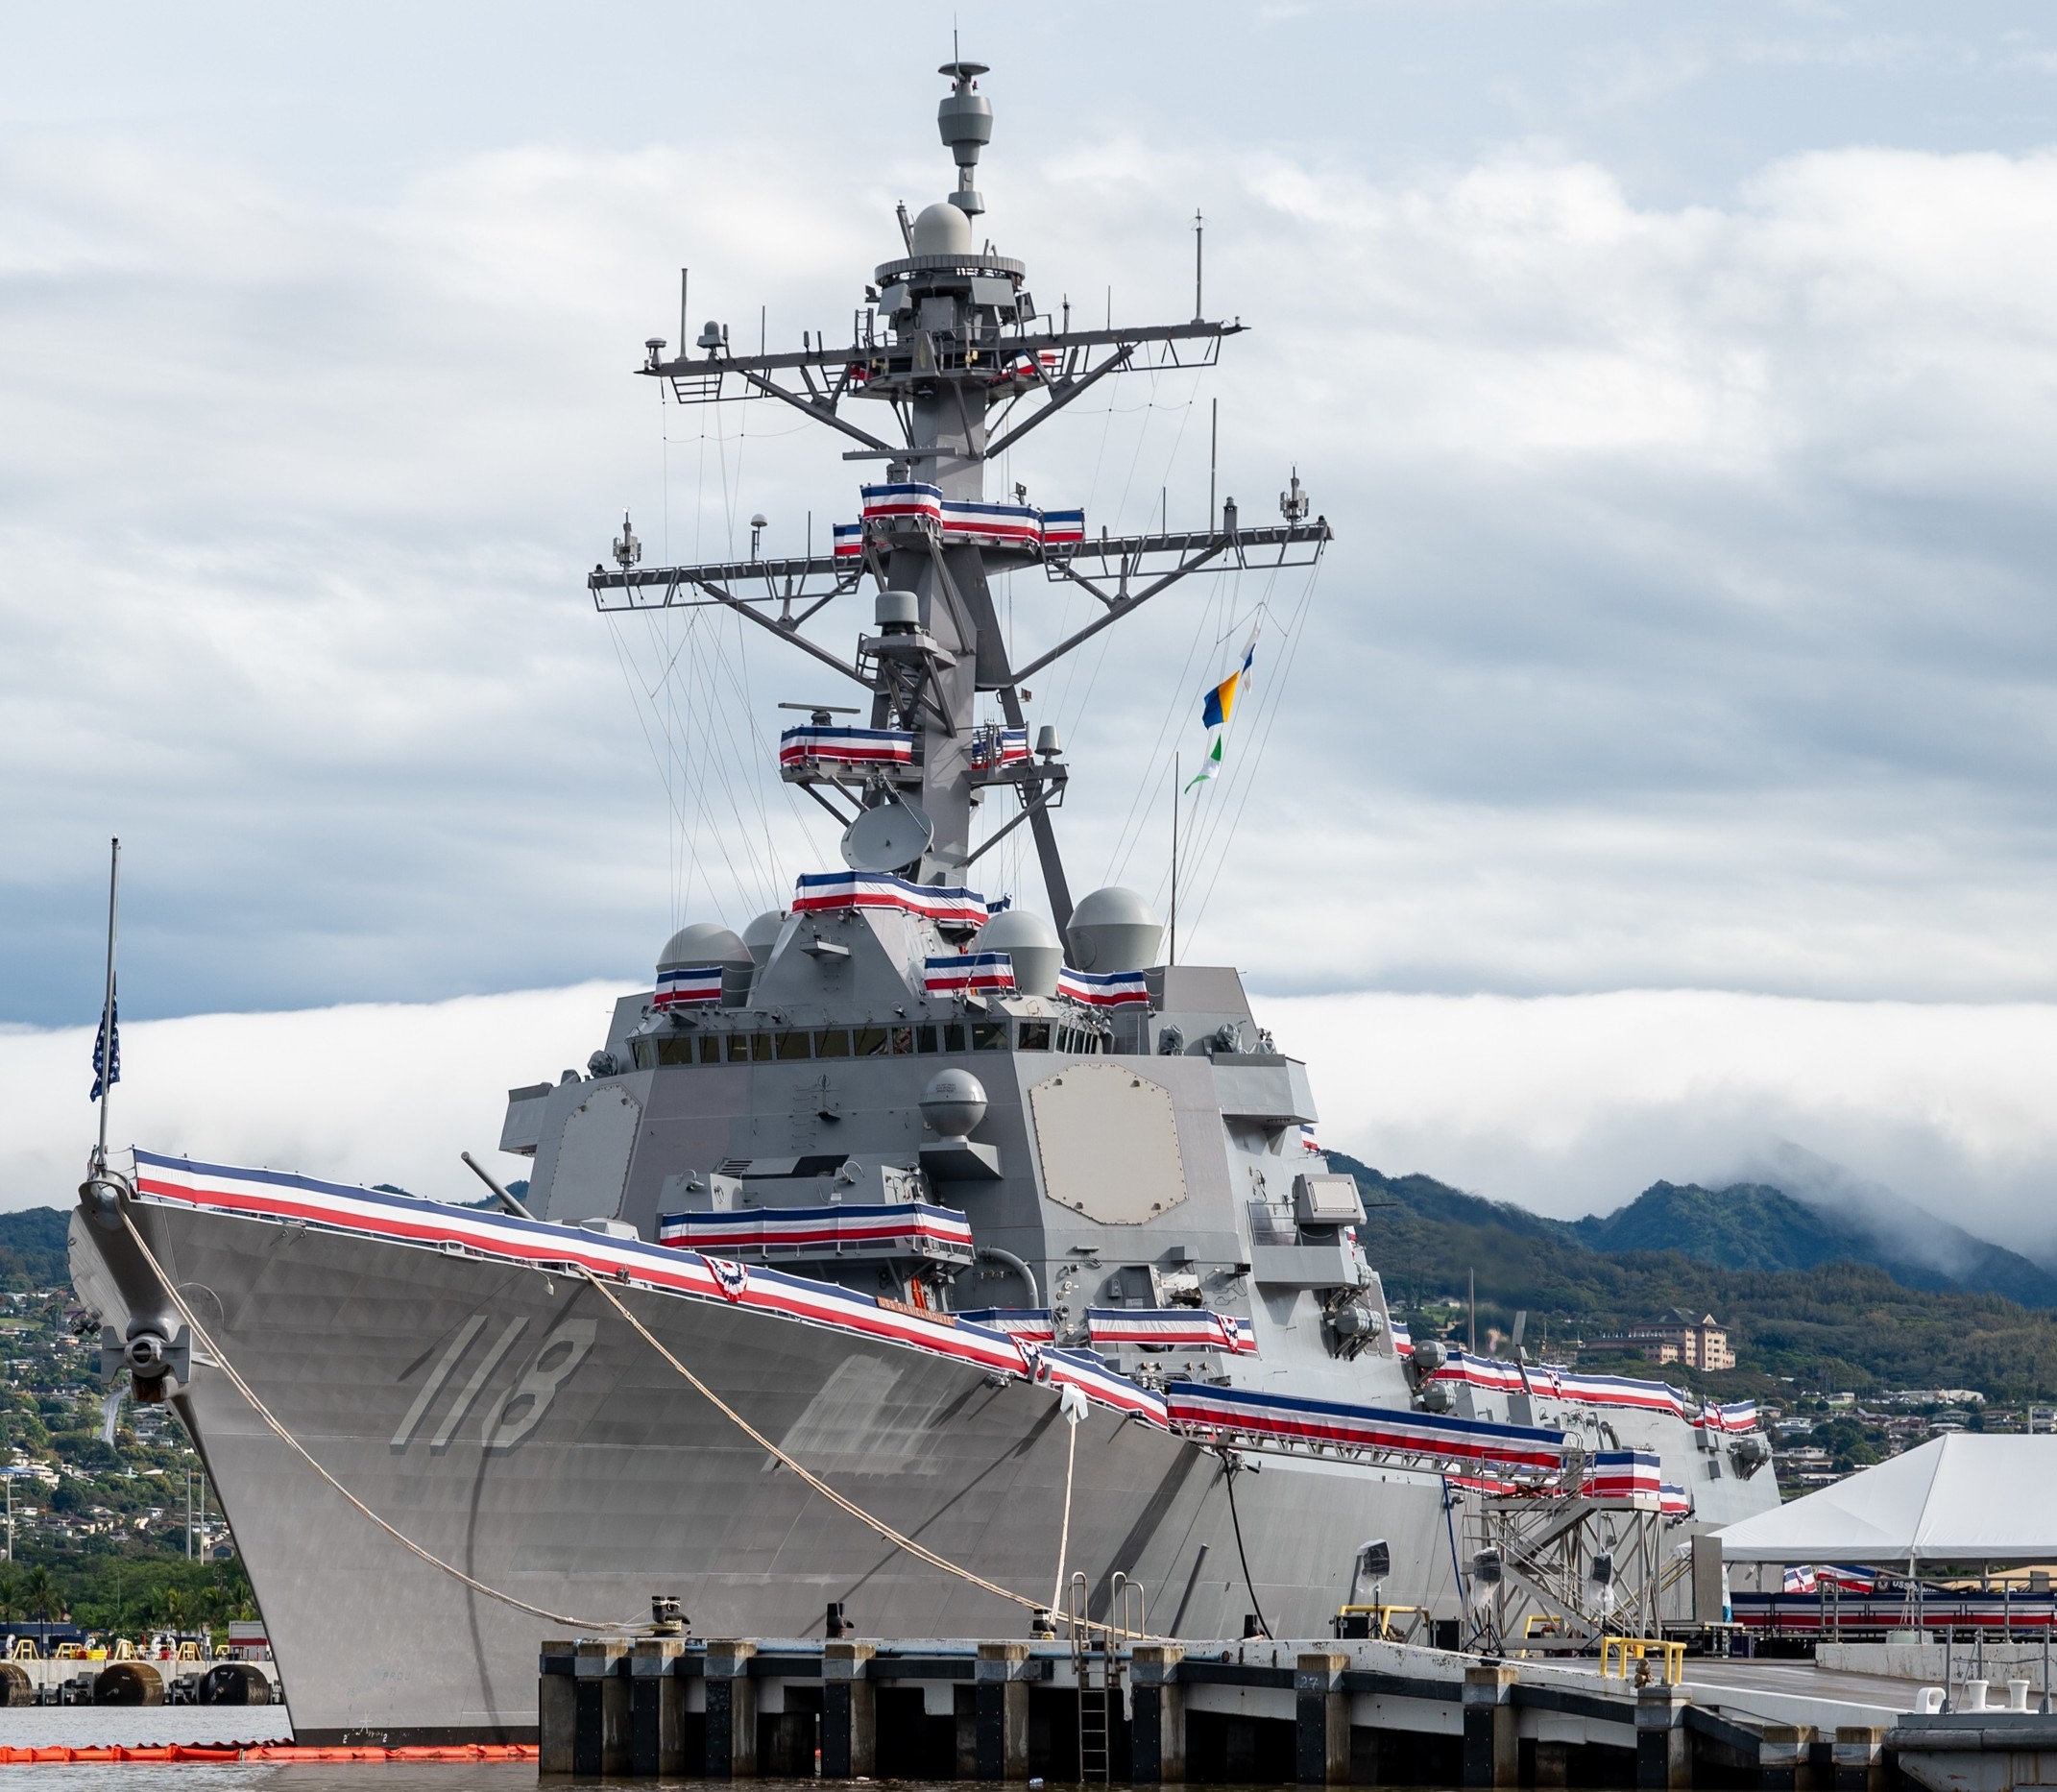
[{"x": 1962, "y": 1498}]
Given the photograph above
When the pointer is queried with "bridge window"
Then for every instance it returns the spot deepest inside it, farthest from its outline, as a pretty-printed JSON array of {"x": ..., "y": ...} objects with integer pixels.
[
  {"x": 710, "y": 1048},
  {"x": 1032, "y": 1036},
  {"x": 793, "y": 1045},
  {"x": 868, "y": 1042},
  {"x": 990, "y": 1035},
  {"x": 903, "y": 1041},
  {"x": 833, "y": 1042},
  {"x": 953, "y": 1036},
  {"x": 668, "y": 1052},
  {"x": 926, "y": 1040}
]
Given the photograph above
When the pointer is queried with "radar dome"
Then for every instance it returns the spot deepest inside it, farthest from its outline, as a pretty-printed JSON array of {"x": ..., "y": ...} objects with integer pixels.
[
  {"x": 942, "y": 229},
  {"x": 704, "y": 942},
  {"x": 1038, "y": 954},
  {"x": 954, "y": 1102},
  {"x": 1114, "y": 930},
  {"x": 762, "y": 934}
]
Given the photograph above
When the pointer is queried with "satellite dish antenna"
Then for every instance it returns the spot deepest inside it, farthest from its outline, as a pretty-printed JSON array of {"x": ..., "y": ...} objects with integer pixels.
[{"x": 890, "y": 838}]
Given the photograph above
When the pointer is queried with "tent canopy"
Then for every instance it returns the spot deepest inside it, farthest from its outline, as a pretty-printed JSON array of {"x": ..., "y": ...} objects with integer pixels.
[{"x": 1959, "y": 1498}]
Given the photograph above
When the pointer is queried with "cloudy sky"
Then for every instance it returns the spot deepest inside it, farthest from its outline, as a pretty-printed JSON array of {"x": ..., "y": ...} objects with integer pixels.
[{"x": 1657, "y": 775}]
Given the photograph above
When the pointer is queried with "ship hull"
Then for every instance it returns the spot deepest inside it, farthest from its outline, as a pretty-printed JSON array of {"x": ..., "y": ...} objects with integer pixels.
[{"x": 508, "y": 1421}]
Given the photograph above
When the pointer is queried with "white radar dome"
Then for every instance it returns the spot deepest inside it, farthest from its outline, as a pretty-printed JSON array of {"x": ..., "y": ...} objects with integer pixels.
[
  {"x": 1038, "y": 954},
  {"x": 942, "y": 231},
  {"x": 954, "y": 1102},
  {"x": 704, "y": 942},
  {"x": 762, "y": 934},
  {"x": 1114, "y": 930}
]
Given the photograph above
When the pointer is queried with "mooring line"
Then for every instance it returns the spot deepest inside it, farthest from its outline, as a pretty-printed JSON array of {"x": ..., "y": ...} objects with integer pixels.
[
  {"x": 921, "y": 1552},
  {"x": 899, "y": 1540}
]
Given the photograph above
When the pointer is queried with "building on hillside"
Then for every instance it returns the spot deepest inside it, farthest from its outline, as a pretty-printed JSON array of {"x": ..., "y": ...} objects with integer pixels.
[{"x": 1672, "y": 1337}]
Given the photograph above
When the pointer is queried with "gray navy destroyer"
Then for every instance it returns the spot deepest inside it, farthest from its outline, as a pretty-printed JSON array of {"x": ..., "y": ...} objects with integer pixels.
[{"x": 894, "y": 1170}]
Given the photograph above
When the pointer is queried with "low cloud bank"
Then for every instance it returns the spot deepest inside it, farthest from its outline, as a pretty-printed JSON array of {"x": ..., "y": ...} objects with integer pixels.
[{"x": 1566, "y": 1103}]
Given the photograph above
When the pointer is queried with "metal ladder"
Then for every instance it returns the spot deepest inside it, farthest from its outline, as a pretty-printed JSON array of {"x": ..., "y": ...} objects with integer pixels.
[{"x": 1099, "y": 1702}]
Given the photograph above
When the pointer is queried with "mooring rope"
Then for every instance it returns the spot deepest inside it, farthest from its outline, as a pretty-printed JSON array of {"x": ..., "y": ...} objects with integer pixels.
[{"x": 921, "y": 1552}]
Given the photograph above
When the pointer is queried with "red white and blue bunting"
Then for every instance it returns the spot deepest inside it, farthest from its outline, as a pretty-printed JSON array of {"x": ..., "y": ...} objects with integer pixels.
[
  {"x": 968, "y": 974},
  {"x": 914, "y": 505},
  {"x": 1552, "y": 1381},
  {"x": 1634, "y": 1475},
  {"x": 687, "y": 986},
  {"x": 810, "y": 748},
  {"x": 1254, "y": 1421},
  {"x": 1111, "y": 990},
  {"x": 280, "y": 1197},
  {"x": 818, "y": 891},
  {"x": 1171, "y": 1328},
  {"x": 994, "y": 748},
  {"x": 902, "y": 1229},
  {"x": 1031, "y": 1324}
]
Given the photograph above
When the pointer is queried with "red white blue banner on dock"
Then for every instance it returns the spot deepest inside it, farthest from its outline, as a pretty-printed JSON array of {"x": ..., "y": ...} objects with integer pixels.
[
  {"x": 968, "y": 974},
  {"x": 687, "y": 986},
  {"x": 853, "y": 749},
  {"x": 402, "y": 1220},
  {"x": 1284, "y": 1421},
  {"x": 1112, "y": 989},
  {"x": 1170, "y": 1328},
  {"x": 821, "y": 891},
  {"x": 902, "y": 1229}
]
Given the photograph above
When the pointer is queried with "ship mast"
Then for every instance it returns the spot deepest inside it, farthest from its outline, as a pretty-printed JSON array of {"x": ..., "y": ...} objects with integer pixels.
[{"x": 951, "y": 348}]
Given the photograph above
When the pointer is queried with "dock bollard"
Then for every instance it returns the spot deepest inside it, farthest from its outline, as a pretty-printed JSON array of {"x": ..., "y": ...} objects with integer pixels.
[
  {"x": 1492, "y": 1744},
  {"x": 1322, "y": 1720},
  {"x": 1002, "y": 1710},
  {"x": 657, "y": 1708},
  {"x": 556, "y": 1706},
  {"x": 1663, "y": 1747},
  {"x": 849, "y": 1711},
  {"x": 600, "y": 1731},
  {"x": 731, "y": 1712},
  {"x": 1157, "y": 1723}
]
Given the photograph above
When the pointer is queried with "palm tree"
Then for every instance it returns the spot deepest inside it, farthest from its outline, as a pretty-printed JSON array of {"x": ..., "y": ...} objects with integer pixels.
[
  {"x": 40, "y": 1591},
  {"x": 9, "y": 1599}
]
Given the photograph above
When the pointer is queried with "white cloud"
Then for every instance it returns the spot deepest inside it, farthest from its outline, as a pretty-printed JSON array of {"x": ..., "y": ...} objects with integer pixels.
[
  {"x": 367, "y": 1093},
  {"x": 1574, "y": 1105},
  {"x": 1569, "y": 1105}
]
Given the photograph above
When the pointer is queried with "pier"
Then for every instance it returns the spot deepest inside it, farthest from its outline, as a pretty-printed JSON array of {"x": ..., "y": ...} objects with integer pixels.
[{"x": 1320, "y": 1712}]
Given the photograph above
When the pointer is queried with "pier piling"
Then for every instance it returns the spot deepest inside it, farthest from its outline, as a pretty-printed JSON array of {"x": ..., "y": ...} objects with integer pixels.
[
  {"x": 849, "y": 1713},
  {"x": 1002, "y": 1711},
  {"x": 1321, "y": 1721},
  {"x": 731, "y": 1712},
  {"x": 1492, "y": 1748}
]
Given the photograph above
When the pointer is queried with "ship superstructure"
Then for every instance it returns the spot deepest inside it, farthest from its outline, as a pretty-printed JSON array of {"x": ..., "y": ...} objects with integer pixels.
[{"x": 891, "y": 1167}]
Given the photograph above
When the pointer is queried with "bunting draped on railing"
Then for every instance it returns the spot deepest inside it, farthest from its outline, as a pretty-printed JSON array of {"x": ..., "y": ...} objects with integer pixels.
[
  {"x": 902, "y": 1229},
  {"x": 818, "y": 891},
  {"x": 1112, "y": 989},
  {"x": 1031, "y": 1324},
  {"x": 968, "y": 974},
  {"x": 687, "y": 986},
  {"x": 916, "y": 505},
  {"x": 1190, "y": 1327},
  {"x": 1254, "y": 1421},
  {"x": 280, "y": 1197},
  {"x": 994, "y": 748},
  {"x": 1551, "y": 1381},
  {"x": 1624, "y": 1474},
  {"x": 812, "y": 748}
]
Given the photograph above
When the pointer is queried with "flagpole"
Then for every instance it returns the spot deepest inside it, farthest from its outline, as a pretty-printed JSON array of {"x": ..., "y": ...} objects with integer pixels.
[
  {"x": 1174, "y": 958},
  {"x": 106, "y": 1008}
]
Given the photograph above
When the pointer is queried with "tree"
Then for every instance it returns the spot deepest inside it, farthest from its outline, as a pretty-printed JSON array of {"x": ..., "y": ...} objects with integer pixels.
[{"x": 38, "y": 1592}]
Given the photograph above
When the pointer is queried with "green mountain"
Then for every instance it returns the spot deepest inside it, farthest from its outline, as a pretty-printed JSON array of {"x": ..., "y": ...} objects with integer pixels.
[
  {"x": 31, "y": 1250},
  {"x": 1754, "y": 1227},
  {"x": 1835, "y": 1327}
]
